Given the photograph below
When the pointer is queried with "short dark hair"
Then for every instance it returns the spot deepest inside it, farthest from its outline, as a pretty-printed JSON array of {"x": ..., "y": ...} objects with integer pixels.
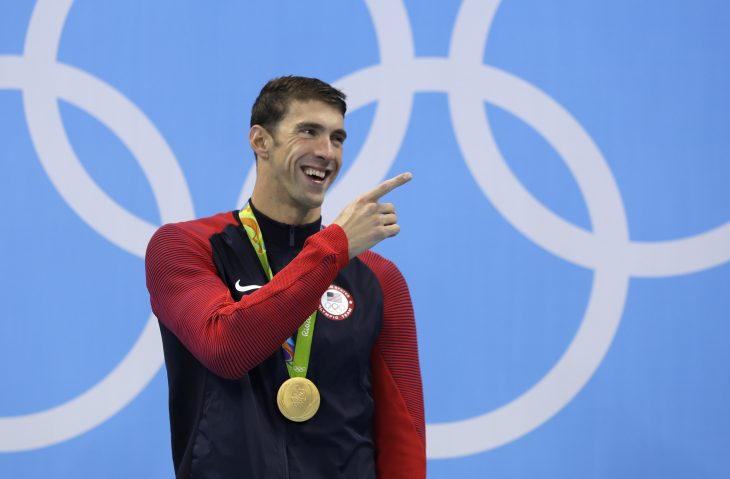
[{"x": 275, "y": 97}]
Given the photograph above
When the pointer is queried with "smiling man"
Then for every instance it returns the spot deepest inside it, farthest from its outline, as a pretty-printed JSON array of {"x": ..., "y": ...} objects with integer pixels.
[{"x": 290, "y": 348}]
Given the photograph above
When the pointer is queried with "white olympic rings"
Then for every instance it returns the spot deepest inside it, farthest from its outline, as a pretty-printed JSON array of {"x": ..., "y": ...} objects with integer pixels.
[
  {"x": 392, "y": 83},
  {"x": 30, "y": 73}
]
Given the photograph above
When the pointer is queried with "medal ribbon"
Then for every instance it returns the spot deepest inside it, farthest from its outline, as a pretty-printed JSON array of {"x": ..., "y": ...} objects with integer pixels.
[{"x": 296, "y": 358}]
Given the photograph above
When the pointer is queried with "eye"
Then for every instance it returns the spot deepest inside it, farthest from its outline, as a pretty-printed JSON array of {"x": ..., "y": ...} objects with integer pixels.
[
  {"x": 338, "y": 139},
  {"x": 307, "y": 131}
]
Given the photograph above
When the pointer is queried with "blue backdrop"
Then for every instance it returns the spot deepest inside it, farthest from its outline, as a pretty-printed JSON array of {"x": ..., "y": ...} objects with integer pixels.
[{"x": 566, "y": 237}]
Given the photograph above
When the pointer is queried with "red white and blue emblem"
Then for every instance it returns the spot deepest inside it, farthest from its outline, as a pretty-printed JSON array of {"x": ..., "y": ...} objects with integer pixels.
[{"x": 336, "y": 303}]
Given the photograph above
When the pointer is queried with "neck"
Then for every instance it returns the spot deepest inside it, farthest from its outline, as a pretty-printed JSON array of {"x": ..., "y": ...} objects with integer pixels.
[
  {"x": 281, "y": 235},
  {"x": 282, "y": 212}
]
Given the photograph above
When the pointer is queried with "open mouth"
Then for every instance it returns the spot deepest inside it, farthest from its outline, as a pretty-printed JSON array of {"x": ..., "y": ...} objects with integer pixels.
[{"x": 315, "y": 174}]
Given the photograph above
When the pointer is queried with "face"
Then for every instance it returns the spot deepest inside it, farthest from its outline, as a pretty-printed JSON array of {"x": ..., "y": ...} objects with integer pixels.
[{"x": 300, "y": 160}]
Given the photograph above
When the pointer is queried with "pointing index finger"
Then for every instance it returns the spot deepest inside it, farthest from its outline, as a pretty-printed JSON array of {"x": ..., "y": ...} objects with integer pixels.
[{"x": 387, "y": 186}]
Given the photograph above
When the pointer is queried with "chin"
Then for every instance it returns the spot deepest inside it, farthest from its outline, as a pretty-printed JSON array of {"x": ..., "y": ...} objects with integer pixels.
[{"x": 311, "y": 202}]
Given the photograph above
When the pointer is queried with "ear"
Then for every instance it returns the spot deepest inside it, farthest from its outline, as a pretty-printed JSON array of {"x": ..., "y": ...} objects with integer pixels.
[{"x": 260, "y": 141}]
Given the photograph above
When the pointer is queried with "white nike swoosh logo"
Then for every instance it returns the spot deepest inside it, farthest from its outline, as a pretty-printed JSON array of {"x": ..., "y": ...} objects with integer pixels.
[{"x": 243, "y": 289}]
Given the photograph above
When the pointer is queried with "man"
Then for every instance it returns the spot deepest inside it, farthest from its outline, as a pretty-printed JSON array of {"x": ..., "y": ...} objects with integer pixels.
[{"x": 258, "y": 387}]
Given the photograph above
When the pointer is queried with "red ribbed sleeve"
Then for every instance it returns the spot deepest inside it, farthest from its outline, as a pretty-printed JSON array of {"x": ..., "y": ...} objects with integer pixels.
[
  {"x": 228, "y": 337},
  {"x": 400, "y": 432}
]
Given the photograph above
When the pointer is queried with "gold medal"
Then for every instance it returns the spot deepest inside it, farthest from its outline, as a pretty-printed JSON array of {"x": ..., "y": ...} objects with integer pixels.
[{"x": 298, "y": 399}]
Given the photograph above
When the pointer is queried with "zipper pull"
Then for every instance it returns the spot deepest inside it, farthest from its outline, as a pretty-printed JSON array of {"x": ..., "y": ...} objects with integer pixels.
[{"x": 291, "y": 236}]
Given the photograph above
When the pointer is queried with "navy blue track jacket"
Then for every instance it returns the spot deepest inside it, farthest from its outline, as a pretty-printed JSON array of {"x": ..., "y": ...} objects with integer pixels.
[{"x": 222, "y": 341}]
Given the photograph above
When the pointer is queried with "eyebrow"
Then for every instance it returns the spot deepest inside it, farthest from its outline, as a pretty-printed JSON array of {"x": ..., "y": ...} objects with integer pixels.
[{"x": 316, "y": 126}]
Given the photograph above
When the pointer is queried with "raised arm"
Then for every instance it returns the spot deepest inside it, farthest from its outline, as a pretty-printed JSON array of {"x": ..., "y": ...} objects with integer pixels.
[{"x": 228, "y": 337}]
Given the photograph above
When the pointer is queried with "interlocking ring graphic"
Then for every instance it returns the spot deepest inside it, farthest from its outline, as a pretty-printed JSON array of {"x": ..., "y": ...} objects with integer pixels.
[
  {"x": 29, "y": 73},
  {"x": 607, "y": 250}
]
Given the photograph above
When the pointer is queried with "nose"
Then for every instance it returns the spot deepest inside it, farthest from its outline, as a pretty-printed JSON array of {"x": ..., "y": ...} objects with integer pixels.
[{"x": 326, "y": 148}]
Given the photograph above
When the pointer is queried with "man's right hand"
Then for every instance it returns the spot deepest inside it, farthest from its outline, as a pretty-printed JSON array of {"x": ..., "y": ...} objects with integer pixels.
[{"x": 367, "y": 222}]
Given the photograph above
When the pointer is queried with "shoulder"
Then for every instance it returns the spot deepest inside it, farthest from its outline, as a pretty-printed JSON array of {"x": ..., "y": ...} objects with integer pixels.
[
  {"x": 202, "y": 228},
  {"x": 391, "y": 280},
  {"x": 383, "y": 268},
  {"x": 190, "y": 234}
]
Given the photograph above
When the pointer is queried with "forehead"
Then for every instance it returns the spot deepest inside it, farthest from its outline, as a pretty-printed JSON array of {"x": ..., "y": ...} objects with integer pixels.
[{"x": 313, "y": 111}]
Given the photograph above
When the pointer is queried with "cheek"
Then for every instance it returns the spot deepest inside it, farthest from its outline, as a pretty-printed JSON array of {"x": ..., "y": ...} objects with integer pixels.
[
  {"x": 295, "y": 153},
  {"x": 291, "y": 162}
]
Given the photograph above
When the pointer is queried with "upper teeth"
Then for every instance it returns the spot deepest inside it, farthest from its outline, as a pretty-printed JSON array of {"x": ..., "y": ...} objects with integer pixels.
[{"x": 313, "y": 172}]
